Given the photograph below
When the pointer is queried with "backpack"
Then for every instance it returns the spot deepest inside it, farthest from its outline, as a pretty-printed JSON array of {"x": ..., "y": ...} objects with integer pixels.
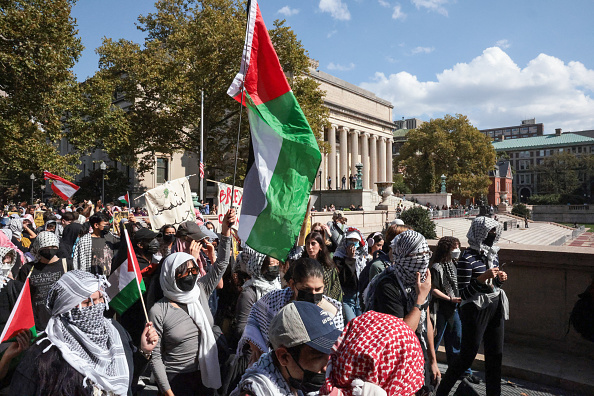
[
  {"x": 582, "y": 314},
  {"x": 378, "y": 256}
]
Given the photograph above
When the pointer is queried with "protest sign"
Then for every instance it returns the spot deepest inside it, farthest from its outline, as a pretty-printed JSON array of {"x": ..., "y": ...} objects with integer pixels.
[
  {"x": 38, "y": 218},
  {"x": 170, "y": 203},
  {"x": 117, "y": 217},
  {"x": 224, "y": 196}
]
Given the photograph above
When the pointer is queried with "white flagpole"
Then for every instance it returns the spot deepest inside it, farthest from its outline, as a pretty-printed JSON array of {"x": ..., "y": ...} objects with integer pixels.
[{"x": 202, "y": 145}]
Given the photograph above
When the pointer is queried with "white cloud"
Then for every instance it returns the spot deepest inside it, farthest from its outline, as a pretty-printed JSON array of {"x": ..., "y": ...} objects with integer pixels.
[
  {"x": 493, "y": 91},
  {"x": 337, "y": 66},
  {"x": 384, "y": 3},
  {"x": 432, "y": 5},
  {"x": 288, "y": 11},
  {"x": 398, "y": 13},
  {"x": 422, "y": 50},
  {"x": 503, "y": 44},
  {"x": 336, "y": 8},
  {"x": 331, "y": 33}
]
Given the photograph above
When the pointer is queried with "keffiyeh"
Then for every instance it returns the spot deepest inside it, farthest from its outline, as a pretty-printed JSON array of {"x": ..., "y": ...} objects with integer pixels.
[
  {"x": 83, "y": 253},
  {"x": 379, "y": 349},
  {"x": 6, "y": 267},
  {"x": 265, "y": 309},
  {"x": 5, "y": 241},
  {"x": 86, "y": 339},
  {"x": 254, "y": 270},
  {"x": 16, "y": 226},
  {"x": 263, "y": 379},
  {"x": 479, "y": 229},
  {"x": 207, "y": 352},
  {"x": 44, "y": 239}
]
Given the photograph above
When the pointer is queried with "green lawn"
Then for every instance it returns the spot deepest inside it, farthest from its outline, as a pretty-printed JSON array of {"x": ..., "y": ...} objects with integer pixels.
[{"x": 589, "y": 227}]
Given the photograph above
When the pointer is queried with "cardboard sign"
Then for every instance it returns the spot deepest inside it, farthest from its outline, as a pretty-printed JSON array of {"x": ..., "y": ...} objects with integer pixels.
[
  {"x": 117, "y": 217},
  {"x": 224, "y": 197},
  {"x": 170, "y": 203},
  {"x": 38, "y": 218}
]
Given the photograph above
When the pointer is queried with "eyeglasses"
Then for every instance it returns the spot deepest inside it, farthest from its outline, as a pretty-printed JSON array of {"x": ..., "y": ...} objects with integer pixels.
[{"x": 421, "y": 254}]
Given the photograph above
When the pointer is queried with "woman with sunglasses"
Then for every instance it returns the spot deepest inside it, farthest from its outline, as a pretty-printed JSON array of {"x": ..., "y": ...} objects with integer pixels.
[{"x": 185, "y": 360}]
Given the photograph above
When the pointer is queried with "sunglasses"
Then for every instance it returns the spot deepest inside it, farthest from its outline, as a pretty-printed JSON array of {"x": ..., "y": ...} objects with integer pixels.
[{"x": 188, "y": 271}]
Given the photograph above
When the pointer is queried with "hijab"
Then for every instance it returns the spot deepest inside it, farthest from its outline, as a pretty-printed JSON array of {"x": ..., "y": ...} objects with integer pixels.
[{"x": 254, "y": 270}]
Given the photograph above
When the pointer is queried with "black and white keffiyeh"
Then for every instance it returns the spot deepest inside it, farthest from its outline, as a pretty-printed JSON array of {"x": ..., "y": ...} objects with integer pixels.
[
  {"x": 254, "y": 270},
  {"x": 83, "y": 253},
  {"x": 265, "y": 309},
  {"x": 86, "y": 339},
  {"x": 44, "y": 239},
  {"x": 263, "y": 379},
  {"x": 448, "y": 276},
  {"x": 15, "y": 224},
  {"x": 479, "y": 229},
  {"x": 5, "y": 268}
]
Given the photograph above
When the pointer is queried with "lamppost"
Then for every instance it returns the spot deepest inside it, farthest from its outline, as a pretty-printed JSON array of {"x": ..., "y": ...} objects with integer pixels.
[
  {"x": 320, "y": 177},
  {"x": 32, "y": 177},
  {"x": 103, "y": 167},
  {"x": 42, "y": 191}
]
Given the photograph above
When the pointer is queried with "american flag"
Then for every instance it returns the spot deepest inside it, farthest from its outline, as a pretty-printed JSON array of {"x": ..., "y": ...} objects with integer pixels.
[{"x": 201, "y": 170}]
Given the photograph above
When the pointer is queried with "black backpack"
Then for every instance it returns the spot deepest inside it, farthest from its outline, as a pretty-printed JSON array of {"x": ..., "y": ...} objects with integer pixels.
[
  {"x": 582, "y": 314},
  {"x": 364, "y": 275}
]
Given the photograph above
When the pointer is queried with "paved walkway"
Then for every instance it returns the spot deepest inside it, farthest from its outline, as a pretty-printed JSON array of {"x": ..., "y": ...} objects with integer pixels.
[{"x": 584, "y": 240}]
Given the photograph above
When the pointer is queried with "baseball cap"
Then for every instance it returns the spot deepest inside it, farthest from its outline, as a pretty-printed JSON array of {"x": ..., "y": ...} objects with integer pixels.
[
  {"x": 144, "y": 233},
  {"x": 301, "y": 322},
  {"x": 353, "y": 235},
  {"x": 191, "y": 229},
  {"x": 209, "y": 234}
]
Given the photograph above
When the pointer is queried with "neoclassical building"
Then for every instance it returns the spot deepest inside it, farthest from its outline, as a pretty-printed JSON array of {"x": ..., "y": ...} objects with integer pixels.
[{"x": 360, "y": 131}]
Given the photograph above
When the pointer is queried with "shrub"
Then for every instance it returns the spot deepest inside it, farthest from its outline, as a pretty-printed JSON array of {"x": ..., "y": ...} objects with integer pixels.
[
  {"x": 521, "y": 210},
  {"x": 544, "y": 199},
  {"x": 418, "y": 218}
]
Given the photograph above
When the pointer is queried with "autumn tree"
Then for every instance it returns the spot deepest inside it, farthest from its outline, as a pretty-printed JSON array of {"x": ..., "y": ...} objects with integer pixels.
[
  {"x": 38, "y": 47},
  {"x": 449, "y": 146},
  {"x": 191, "y": 46}
]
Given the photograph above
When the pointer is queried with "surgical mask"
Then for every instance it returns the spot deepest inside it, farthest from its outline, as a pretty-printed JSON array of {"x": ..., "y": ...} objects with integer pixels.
[
  {"x": 168, "y": 238},
  {"x": 48, "y": 254},
  {"x": 153, "y": 247},
  {"x": 490, "y": 239},
  {"x": 304, "y": 295},
  {"x": 186, "y": 283},
  {"x": 455, "y": 254},
  {"x": 272, "y": 273},
  {"x": 311, "y": 382}
]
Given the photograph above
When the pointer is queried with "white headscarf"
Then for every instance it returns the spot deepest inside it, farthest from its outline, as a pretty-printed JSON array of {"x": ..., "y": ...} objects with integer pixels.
[{"x": 208, "y": 358}]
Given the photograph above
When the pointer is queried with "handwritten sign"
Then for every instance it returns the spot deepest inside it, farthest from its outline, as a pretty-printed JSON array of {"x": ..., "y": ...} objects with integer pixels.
[
  {"x": 225, "y": 200},
  {"x": 38, "y": 217},
  {"x": 170, "y": 203},
  {"x": 117, "y": 217}
]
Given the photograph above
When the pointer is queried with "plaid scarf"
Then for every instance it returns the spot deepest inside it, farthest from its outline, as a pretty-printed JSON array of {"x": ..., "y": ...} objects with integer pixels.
[
  {"x": 379, "y": 349},
  {"x": 86, "y": 339}
]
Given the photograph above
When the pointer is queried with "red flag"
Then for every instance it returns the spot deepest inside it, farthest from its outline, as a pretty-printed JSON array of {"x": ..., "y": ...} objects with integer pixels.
[
  {"x": 62, "y": 187},
  {"x": 21, "y": 316}
]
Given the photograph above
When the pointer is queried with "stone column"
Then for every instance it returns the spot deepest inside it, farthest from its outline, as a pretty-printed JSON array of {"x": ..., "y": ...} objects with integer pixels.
[
  {"x": 354, "y": 150},
  {"x": 365, "y": 159},
  {"x": 332, "y": 157},
  {"x": 389, "y": 164},
  {"x": 373, "y": 162},
  {"x": 344, "y": 156},
  {"x": 382, "y": 159}
]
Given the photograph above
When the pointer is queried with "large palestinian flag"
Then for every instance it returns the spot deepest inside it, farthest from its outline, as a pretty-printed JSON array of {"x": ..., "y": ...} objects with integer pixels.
[{"x": 284, "y": 155}]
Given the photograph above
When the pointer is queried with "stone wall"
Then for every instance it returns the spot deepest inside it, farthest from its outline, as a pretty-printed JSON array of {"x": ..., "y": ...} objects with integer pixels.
[{"x": 563, "y": 213}]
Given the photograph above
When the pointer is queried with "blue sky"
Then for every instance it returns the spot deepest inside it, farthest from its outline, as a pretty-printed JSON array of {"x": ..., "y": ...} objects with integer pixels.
[{"x": 497, "y": 62}]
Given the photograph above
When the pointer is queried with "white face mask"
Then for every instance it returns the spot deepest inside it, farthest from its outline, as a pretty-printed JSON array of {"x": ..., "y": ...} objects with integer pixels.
[{"x": 455, "y": 254}]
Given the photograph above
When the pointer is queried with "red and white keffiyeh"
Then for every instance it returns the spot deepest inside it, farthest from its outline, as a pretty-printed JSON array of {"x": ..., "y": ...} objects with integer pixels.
[{"x": 380, "y": 349}]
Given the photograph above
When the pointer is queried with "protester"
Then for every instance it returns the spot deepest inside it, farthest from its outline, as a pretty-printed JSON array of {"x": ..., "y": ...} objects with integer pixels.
[
  {"x": 350, "y": 259},
  {"x": 15, "y": 225},
  {"x": 393, "y": 230},
  {"x": 301, "y": 337},
  {"x": 447, "y": 299},
  {"x": 306, "y": 284},
  {"x": 316, "y": 249},
  {"x": 167, "y": 240},
  {"x": 5, "y": 242},
  {"x": 185, "y": 359},
  {"x": 22, "y": 341},
  {"x": 402, "y": 290},
  {"x": 336, "y": 230},
  {"x": 378, "y": 262},
  {"x": 323, "y": 230},
  {"x": 484, "y": 306},
  {"x": 8, "y": 259},
  {"x": 43, "y": 273},
  {"x": 82, "y": 352},
  {"x": 377, "y": 354},
  {"x": 71, "y": 234},
  {"x": 95, "y": 251}
]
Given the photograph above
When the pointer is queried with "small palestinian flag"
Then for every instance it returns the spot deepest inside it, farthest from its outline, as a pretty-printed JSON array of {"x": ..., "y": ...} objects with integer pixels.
[
  {"x": 21, "y": 316},
  {"x": 125, "y": 199}
]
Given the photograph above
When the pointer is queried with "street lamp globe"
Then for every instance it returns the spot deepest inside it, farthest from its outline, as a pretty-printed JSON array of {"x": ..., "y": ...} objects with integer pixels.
[
  {"x": 103, "y": 166},
  {"x": 32, "y": 177}
]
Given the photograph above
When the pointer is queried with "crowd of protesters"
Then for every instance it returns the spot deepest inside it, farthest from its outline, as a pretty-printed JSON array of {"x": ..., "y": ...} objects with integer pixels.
[{"x": 344, "y": 314}]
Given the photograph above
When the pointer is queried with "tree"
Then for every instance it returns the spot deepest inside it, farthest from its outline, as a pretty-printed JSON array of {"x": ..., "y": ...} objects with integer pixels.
[
  {"x": 418, "y": 218},
  {"x": 449, "y": 146},
  {"x": 399, "y": 185},
  {"x": 116, "y": 184},
  {"x": 558, "y": 174},
  {"x": 38, "y": 47},
  {"x": 521, "y": 210},
  {"x": 190, "y": 46}
]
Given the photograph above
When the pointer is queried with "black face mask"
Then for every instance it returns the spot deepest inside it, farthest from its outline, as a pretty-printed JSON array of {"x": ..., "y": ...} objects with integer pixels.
[
  {"x": 186, "y": 283},
  {"x": 490, "y": 239},
  {"x": 304, "y": 295},
  {"x": 271, "y": 274},
  {"x": 168, "y": 238},
  {"x": 311, "y": 382},
  {"x": 153, "y": 247},
  {"x": 48, "y": 253},
  {"x": 105, "y": 230}
]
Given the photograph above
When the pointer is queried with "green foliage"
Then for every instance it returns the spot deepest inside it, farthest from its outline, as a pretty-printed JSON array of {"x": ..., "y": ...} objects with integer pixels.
[
  {"x": 418, "y": 218},
  {"x": 559, "y": 174},
  {"x": 38, "y": 47},
  {"x": 521, "y": 210},
  {"x": 449, "y": 146},
  {"x": 116, "y": 184},
  {"x": 190, "y": 46},
  {"x": 399, "y": 185},
  {"x": 545, "y": 199}
]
